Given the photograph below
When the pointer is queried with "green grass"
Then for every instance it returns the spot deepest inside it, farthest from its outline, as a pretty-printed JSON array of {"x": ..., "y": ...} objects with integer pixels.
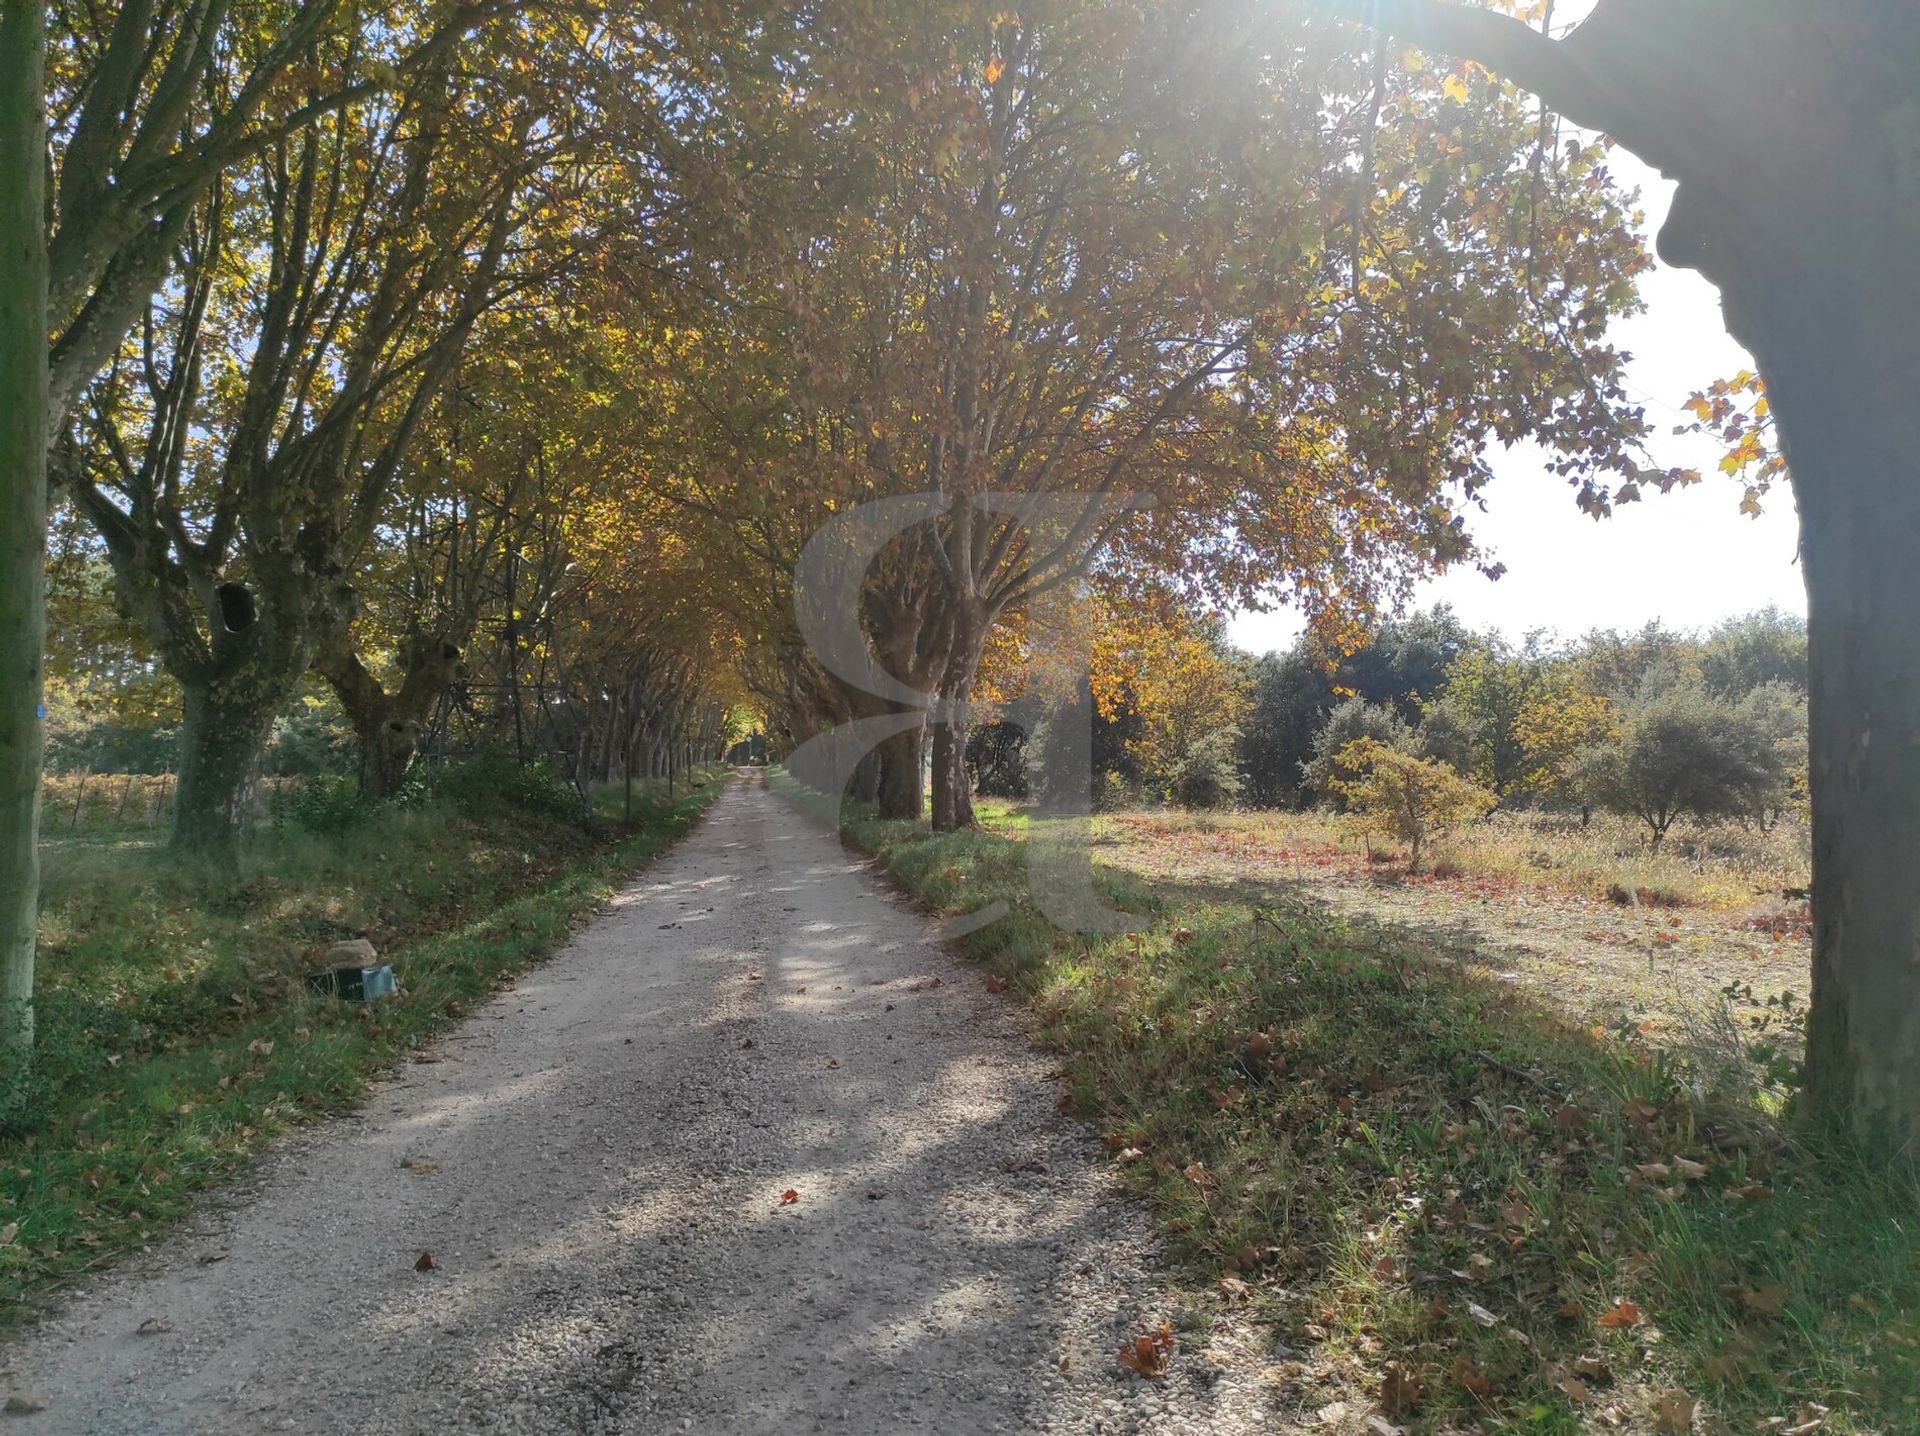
[
  {"x": 1398, "y": 1163},
  {"x": 177, "y": 1035}
]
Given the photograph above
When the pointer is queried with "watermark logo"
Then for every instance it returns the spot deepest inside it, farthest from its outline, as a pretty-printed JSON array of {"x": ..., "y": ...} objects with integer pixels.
[{"x": 1056, "y": 701}]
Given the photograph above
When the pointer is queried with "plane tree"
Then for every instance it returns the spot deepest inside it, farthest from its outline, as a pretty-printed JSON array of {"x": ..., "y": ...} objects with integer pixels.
[
  {"x": 1215, "y": 262},
  {"x": 236, "y": 459}
]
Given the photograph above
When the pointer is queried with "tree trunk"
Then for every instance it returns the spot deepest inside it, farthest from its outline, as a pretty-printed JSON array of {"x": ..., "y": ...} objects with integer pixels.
[
  {"x": 952, "y": 793},
  {"x": 223, "y": 733},
  {"x": 1840, "y": 359},
  {"x": 864, "y": 788},
  {"x": 901, "y": 792},
  {"x": 23, "y": 518}
]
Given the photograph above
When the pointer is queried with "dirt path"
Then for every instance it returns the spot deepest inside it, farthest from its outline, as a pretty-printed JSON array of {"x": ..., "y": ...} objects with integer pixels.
[{"x": 596, "y": 1164}]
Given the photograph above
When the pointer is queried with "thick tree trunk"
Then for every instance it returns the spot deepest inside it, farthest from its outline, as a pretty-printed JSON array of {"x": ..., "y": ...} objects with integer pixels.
[
  {"x": 23, "y": 518},
  {"x": 1841, "y": 353},
  {"x": 223, "y": 733},
  {"x": 902, "y": 794},
  {"x": 864, "y": 789}
]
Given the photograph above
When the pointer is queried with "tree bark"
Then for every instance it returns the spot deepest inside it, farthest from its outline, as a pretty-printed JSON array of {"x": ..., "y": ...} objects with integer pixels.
[
  {"x": 389, "y": 725},
  {"x": 952, "y": 793},
  {"x": 902, "y": 794},
  {"x": 225, "y": 725},
  {"x": 23, "y": 518},
  {"x": 1840, "y": 356}
]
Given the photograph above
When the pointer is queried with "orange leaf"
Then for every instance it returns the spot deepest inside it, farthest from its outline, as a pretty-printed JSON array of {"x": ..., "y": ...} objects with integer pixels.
[
  {"x": 789, "y": 1197},
  {"x": 1623, "y": 1315},
  {"x": 1147, "y": 1355}
]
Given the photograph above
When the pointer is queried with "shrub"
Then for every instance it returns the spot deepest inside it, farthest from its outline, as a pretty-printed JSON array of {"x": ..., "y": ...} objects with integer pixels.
[
  {"x": 1414, "y": 799},
  {"x": 1352, "y": 721},
  {"x": 328, "y": 806},
  {"x": 492, "y": 780},
  {"x": 997, "y": 760},
  {"x": 1207, "y": 774}
]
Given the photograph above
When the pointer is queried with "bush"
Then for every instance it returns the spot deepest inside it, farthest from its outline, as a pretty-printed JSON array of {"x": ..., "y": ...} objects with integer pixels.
[
  {"x": 1207, "y": 775},
  {"x": 1414, "y": 799},
  {"x": 1353, "y": 720},
  {"x": 1685, "y": 751},
  {"x": 997, "y": 760},
  {"x": 328, "y": 806},
  {"x": 493, "y": 780}
]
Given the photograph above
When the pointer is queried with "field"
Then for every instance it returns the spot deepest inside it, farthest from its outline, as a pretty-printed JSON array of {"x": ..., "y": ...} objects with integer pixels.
[
  {"x": 1585, "y": 918},
  {"x": 1456, "y": 1198},
  {"x": 177, "y": 1034}
]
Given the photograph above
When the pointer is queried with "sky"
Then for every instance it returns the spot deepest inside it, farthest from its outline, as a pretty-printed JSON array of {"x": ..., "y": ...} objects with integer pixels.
[{"x": 1689, "y": 558}]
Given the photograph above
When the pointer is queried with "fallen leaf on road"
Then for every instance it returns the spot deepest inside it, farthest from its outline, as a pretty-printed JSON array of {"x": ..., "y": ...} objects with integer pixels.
[
  {"x": 996, "y": 983},
  {"x": 209, "y": 1258},
  {"x": 420, "y": 1166},
  {"x": 833, "y": 1062},
  {"x": 424, "y": 1058},
  {"x": 789, "y": 1197},
  {"x": 426, "y": 1262},
  {"x": 153, "y": 1326},
  {"x": 1147, "y": 1355}
]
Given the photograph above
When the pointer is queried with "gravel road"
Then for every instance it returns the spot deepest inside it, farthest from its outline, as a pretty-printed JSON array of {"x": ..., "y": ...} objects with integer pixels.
[{"x": 597, "y": 1162}]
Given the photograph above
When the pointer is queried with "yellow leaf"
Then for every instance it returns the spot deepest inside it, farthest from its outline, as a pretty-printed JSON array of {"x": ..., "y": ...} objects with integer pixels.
[{"x": 1455, "y": 88}]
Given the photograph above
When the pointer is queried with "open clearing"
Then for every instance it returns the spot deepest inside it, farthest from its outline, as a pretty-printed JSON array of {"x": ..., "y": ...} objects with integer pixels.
[{"x": 1645, "y": 965}]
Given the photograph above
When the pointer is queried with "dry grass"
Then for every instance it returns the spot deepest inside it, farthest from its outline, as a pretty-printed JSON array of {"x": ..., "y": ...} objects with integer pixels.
[
  {"x": 1601, "y": 931},
  {"x": 1725, "y": 868}
]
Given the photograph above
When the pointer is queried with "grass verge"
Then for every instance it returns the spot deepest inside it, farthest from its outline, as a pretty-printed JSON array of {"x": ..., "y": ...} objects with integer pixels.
[
  {"x": 177, "y": 1035},
  {"x": 1441, "y": 1196}
]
